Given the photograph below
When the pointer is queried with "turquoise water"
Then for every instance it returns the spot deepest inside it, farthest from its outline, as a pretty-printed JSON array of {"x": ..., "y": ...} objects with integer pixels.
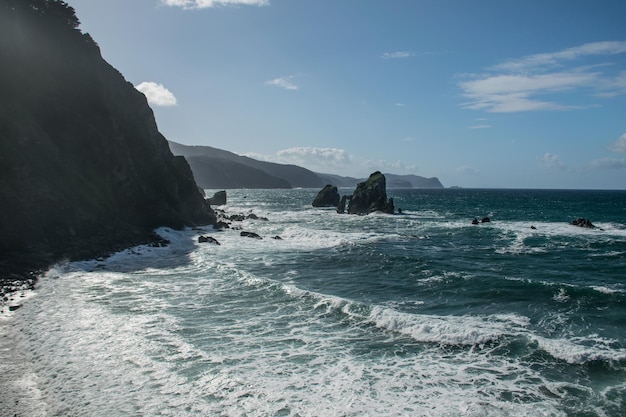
[{"x": 419, "y": 314}]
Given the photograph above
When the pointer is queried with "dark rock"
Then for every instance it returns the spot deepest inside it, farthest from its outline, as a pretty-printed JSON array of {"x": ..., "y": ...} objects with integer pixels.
[
  {"x": 327, "y": 197},
  {"x": 14, "y": 307},
  {"x": 250, "y": 234},
  {"x": 475, "y": 221},
  {"x": 277, "y": 238},
  {"x": 207, "y": 239},
  {"x": 371, "y": 196},
  {"x": 341, "y": 207},
  {"x": 586, "y": 223},
  {"x": 218, "y": 199},
  {"x": 485, "y": 220},
  {"x": 533, "y": 227},
  {"x": 221, "y": 225},
  {"x": 253, "y": 216}
]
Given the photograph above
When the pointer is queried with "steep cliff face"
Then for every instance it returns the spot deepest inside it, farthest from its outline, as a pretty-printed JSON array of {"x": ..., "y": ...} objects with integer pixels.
[{"x": 83, "y": 167}]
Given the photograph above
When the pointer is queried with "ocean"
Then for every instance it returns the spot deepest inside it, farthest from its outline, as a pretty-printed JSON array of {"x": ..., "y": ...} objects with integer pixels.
[{"x": 418, "y": 314}]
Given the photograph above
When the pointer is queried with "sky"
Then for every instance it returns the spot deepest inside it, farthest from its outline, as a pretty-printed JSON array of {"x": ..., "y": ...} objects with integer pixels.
[{"x": 480, "y": 93}]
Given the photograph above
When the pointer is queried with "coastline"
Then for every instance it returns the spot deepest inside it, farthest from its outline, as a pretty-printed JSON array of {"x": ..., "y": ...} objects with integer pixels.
[{"x": 20, "y": 271}]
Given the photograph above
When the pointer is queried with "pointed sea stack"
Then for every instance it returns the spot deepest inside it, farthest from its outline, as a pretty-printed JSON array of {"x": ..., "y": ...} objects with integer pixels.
[{"x": 371, "y": 196}]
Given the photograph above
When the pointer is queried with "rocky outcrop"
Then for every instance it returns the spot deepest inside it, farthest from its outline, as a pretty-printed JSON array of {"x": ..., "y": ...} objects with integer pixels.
[
  {"x": 327, "y": 197},
  {"x": 83, "y": 168},
  {"x": 218, "y": 199},
  {"x": 208, "y": 239},
  {"x": 251, "y": 235},
  {"x": 371, "y": 196},
  {"x": 341, "y": 208},
  {"x": 393, "y": 181},
  {"x": 586, "y": 223}
]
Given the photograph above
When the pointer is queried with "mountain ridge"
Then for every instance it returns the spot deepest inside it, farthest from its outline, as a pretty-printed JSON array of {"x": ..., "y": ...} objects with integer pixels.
[{"x": 274, "y": 175}]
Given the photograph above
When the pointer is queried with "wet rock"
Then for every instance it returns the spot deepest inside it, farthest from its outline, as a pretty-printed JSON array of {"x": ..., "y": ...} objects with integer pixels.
[
  {"x": 250, "y": 234},
  {"x": 218, "y": 199},
  {"x": 207, "y": 239},
  {"x": 586, "y": 223},
  {"x": 327, "y": 197},
  {"x": 370, "y": 196}
]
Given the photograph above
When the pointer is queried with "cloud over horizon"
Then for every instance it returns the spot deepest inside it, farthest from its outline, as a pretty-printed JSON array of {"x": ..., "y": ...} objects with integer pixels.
[
  {"x": 203, "y": 4},
  {"x": 157, "y": 94},
  {"x": 333, "y": 161},
  {"x": 531, "y": 83},
  {"x": 551, "y": 161}
]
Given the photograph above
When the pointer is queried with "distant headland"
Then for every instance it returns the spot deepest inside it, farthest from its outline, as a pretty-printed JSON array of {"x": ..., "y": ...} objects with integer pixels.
[{"x": 216, "y": 168}]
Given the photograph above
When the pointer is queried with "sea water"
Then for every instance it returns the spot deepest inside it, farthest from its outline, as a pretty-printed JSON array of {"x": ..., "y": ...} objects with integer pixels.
[{"x": 418, "y": 314}]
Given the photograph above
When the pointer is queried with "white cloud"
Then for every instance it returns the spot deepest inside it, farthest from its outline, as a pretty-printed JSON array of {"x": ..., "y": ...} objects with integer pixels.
[
  {"x": 480, "y": 127},
  {"x": 203, "y": 4},
  {"x": 397, "y": 54},
  {"x": 333, "y": 161},
  {"x": 620, "y": 145},
  {"x": 283, "y": 82},
  {"x": 157, "y": 94},
  {"x": 608, "y": 163},
  {"x": 551, "y": 161},
  {"x": 557, "y": 58},
  {"x": 521, "y": 84},
  {"x": 316, "y": 156}
]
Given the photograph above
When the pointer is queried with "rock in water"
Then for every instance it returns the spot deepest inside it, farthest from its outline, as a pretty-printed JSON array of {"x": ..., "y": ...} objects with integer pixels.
[
  {"x": 218, "y": 199},
  {"x": 371, "y": 196},
  {"x": 586, "y": 223},
  {"x": 327, "y": 197},
  {"x": 250, "y": 234},
  {"x": 207, "y": 239}
]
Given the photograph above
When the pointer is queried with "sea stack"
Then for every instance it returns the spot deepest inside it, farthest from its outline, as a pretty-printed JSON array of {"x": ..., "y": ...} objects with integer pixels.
[
  {"x": 370, "y": 196},
  {"x": 327, "y": 197}
]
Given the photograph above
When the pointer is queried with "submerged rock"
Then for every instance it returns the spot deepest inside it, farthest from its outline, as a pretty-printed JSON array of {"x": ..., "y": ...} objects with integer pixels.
[
  {"x": 327, "y": 197},
  {"x": 371, "y": 196}
]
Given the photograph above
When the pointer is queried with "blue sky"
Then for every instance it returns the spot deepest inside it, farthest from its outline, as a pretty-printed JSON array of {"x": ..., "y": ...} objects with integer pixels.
[{"x": 482, "y": 93}]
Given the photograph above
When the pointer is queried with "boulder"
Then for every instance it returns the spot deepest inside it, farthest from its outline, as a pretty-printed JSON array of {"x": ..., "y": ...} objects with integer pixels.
[
  {"x": 207, "y": 239},
  {"x": 250, "y": 234},
  {"x": 218, "y": 199},
  {"x": 370, "y": 196},
  {"x": 586, "y": 223},
  {"x": 327, "y": 197},
  {"x": 485, "y": 220}
]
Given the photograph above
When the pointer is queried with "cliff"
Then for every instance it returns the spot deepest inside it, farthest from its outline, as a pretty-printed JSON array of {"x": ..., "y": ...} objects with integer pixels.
[{"x": 83, "y": 167}]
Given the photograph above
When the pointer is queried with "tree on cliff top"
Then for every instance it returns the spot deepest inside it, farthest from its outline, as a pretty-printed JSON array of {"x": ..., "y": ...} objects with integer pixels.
[{"x": 55, "y": 11}]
